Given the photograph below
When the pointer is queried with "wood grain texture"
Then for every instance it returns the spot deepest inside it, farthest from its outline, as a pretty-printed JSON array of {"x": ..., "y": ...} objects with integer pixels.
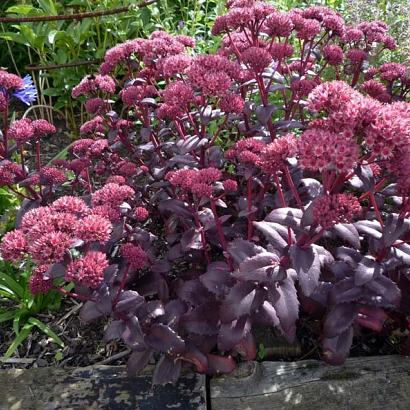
[
  {"x": 367, "y": 383},
  {"x": 96, "y": 388}
]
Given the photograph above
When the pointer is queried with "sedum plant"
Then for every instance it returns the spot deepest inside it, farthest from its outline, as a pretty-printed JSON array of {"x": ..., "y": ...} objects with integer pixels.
[{"x": 211, "y": 193}]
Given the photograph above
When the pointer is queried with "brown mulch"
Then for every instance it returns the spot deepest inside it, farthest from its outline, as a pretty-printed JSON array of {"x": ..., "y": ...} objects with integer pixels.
[{"x": 84, "y": 344}]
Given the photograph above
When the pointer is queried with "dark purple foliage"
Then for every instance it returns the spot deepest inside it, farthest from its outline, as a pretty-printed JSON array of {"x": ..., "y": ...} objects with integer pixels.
[{"x": 189, "y": 212}]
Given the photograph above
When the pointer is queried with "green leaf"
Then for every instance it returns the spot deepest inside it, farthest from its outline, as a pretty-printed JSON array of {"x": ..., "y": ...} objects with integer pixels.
[
  {"x": 59, "y": 356},
  {"x": 6, "y": 316},
  {"x": 46, "y": 329},
  {"x": 48, "y": 6},
  {"x": 7, "y": 293},
  {"x": 8, "y": 282},
  {"x": 21, "y": 9},
  {"x": 15, "y": 37},
  {"x": 18, "y": 340},
  {"x": 52, "y": 36},
  {"x": 16, "y": 321},
  {"x": 28, "y": 35}
]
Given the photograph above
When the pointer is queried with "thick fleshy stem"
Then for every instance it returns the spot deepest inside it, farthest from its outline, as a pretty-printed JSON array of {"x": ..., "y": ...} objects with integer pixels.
[
  {"x": 265, "y": 102},
  {"x": 122, "y": 285},
  {"x": 216, "y": 135},
  {"x": 201, "y": 232},
  {"x": 376, "y": 208},
  {"x": 280, "y": 192},
  {"x": 283, "y": 203},
  {"x": 314, "y": 238},
  {"x": 38, "y": 156},
  {"x": 75, "y": 295},
  {"x": 292, "y": 187},
  {"x": 5, "y": 129},
  {"x": 221, "y": 234},
  {"x": 23, "y": 167},
  {"x": 376, "y": 188},
  {"x": 38, "y": 163},
  {"x": 250, "y": 215}
]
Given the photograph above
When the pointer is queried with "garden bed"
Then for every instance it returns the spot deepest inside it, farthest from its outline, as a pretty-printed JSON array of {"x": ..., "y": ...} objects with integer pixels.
[{"x": 361, "y": 383}]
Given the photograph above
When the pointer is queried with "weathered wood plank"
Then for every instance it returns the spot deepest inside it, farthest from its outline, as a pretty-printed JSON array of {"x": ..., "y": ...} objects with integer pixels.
[
  {"x": 367, "y": 383},
  {"x": 96, "y": 388}
]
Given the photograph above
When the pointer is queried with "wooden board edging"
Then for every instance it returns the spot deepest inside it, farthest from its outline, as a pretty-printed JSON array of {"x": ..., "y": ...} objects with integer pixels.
[{"x": 366, "y": 383}]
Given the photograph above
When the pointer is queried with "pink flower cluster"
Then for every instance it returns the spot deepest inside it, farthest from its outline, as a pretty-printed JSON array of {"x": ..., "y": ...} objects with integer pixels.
[
  {"x": 94, "y": 126},
  {"x": 247, "y": 151},
  {"x": 88, "y": 270},
  {"x": 390, "y": 130},
  {"x": 52, "y": 176},
  {"x": 213, "y": 74},
  {"x": 274, "y": 156},
  {"x": 232, "y": 103},
  {"x": 91, "y": 85},
  {"x": 141, "y": 213},
  {"x": 333, "y": 209},
  {"x": 112, "y": 195},
  {"x": 10, "y": 81},
  {"x": 242, "y": 14},
  {"x": 173, "y": 65},
  {"x": 134, "y": 255},
  {"x": 38, "y": 282},
  {"x": 119, "y": 54},
  {"x": 88, "y": 148},
  {"x": 152, "y": 52},
  {"x": 47, "y": 234},
  {"x": 320, "y": 149},
  {"x": 134, "y": 94},
  {"x": 197, "y": 182},
  {"x": 332, "y": 143},
  {"x": 177, "y": 98},
  {"x": 10, "y": 172},
  {"x": 95, "y": 105},
  {"x": 25, "y": 129}
]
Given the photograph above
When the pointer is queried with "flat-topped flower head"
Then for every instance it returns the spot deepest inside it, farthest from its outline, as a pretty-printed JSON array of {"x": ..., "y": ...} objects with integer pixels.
[
  {"x": 91, "y": 85},
  {"x": 94, "y": 228},
  {"x": 88, "y": 270},
  {"x": 21, "y": 131},
  {"x": 94, "y": 126},
  {"x": 134, "y": 255},
  {"x": 178, "y": 94},
  {"x": 50, "y": 247},
  {"x": 333, "y": 54},
  {"x": 13, "y": 246},
  {"x": 246, "y": 151},
  {"x": 279, "y": 25},
  {"x": 213, "y": 74},
  {"x": 9, "y": 81},
  {"x": 39, "y": 283},
  {"x": 330, "y": 210},
  {"x": 52, "y": 176},
  {"x": 42, "y": 128},
  {"x": 390, "y": 129},
  {"x": 274, "y": 156},
  {"x": 320, "y": 149},
  {"x": 141, "y": 214},
  {"x": 112, "y": 194}
]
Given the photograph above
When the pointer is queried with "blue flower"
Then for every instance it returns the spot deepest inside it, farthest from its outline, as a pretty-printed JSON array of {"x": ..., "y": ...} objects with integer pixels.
[{"x": 28, "y": 93}]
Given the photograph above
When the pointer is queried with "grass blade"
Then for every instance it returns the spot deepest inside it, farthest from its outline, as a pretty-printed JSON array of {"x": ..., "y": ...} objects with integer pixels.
[
  {"x": 10, "y": 283},
  {"x": 6, "y": 316},
  {"x": 18, "y": 340},
  {"x": 46, "y": 329}
]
